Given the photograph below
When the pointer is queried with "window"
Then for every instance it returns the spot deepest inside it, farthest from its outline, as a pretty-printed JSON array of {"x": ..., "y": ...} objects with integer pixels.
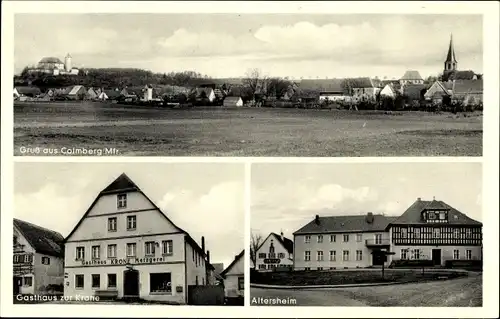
[
  {"x": 333, "y": 238},
  {"x": 320, "y": 255},
  {"x": 307, "y": 239},
  {"x": 262, "y": 266},
  {"x": 241, "y": 283},
  {"x": 196, "y": 281},
  {"x": 15, "y": 240},
  {"x": 96, "y": 252},
  {"x": 79, "y": 281},
  {"x": 80, "y": 253},
  {"x": 96, "y": 281},
  {"x": 111, "y": 280},
  {"x": 320, "y": 268},
  {"x": 262, "y": 255},
  {"x": 468, "y": 233},
  {"x": 378, "y": 239},
  {"x": 121, "y": 201},
  {"x": 404, "y": 254},
  {"x": 456, "y": 254},
  {"x": 415, "y": 254},
  {"x": 456, "y": 233},
  {"x": 359, "y": 237},
  {"x": 28, "y": 281},
  {"x": 431, "y": 215},
  {"x": 112, "y": 251},
  {"x": 468, "y": 254},
  {"x": 131, "y": 249},
  {"x": 320, "y": 238},
  {"x": 168, "y": 247},
  {"x": 27, "y": 258},
  {"x": 359, "y": 255},
  {"x": 417, "y": 233},
  {"x": 281, "y": 255},
  {"x": 112, "y": 221},
  {"x": 45, "y": 261},
  {"x": 333, "y": 255},
  {"x": 160, "y": 282},
  {"x": 346, "y": 238},
  {"x": 150, "y": 248},
  {"x": 442, "y": 215},
  {"x": 131, "y": 222},
  {"x": 436, "y": 233},
  {"x": 404, "y": 233},
  {"x": 307, "y": 268},
  {"x": 345, "y": 255},
  {"x": 307, "y": 255},
  {"x": 203, "y": 281}
]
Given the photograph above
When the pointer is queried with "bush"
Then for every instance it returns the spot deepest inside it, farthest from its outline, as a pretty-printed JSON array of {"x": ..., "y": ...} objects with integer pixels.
[
  {"x": 416, "y": 263},
  {"x": 464, "y": 264}
]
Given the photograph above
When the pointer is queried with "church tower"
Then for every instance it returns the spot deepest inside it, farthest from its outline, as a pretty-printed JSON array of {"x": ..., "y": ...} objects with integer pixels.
[
  {"x": 450, "y": 64},
  {"x": 67, "y": 63}
]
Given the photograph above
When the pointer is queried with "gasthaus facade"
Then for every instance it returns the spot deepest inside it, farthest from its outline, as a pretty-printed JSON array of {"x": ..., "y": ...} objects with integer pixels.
[{"x": 124, "y": 246}]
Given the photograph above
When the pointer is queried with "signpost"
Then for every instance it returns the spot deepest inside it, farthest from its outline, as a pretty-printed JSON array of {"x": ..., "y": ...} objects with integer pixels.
[{"x": 383, "y": 254}]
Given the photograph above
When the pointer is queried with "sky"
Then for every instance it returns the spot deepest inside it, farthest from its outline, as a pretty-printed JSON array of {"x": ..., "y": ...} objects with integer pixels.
[
  {"x": 228, "y": 45},
  {"x": 202, "y": 198},
  {"x": 285, "y": 197}
]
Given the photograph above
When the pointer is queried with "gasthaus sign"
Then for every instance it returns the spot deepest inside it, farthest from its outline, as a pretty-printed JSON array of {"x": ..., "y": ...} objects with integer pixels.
[{"x": 123, "y": 261}]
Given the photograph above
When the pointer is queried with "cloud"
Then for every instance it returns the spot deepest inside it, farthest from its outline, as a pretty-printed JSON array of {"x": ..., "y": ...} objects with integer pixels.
[
  {"x": 41, "y": 206},
  {"x": 221, "y": 206}
]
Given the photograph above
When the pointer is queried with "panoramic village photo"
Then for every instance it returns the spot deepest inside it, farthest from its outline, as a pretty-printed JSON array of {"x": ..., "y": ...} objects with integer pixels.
[
  {"x": 377, "y": 234},
  {"x": 116, "y": 233},
  {"x": 322, "y": 85}
]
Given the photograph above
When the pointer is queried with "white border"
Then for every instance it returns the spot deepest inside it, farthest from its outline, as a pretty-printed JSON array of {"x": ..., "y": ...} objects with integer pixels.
[{"x": 490, "y": 156}]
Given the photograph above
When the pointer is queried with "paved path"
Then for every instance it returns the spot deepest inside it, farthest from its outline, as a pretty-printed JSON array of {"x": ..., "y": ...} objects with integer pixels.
[{"x": 463, "y": 292}]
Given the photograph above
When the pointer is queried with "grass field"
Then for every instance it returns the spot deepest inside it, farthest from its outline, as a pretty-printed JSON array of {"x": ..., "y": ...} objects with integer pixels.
[
  {"x": 308, "y": 278},
  {"x": 243, "y": 132}
]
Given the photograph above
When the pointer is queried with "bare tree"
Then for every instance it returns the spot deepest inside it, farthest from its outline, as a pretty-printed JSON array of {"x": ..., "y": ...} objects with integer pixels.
[
  {"x": 254, "y": 80},
  {"x": 255, "y": 242}
]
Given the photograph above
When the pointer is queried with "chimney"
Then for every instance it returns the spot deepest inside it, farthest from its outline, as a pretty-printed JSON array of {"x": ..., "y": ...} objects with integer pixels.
[
  {"x": 208, "y": 257},
  {"x": 203, "y": 243},
  {"x": 316, "y": 219},
  {"x": 282, "y": 238},
  {"x": 369, "y": 217},
  {"x": 419, "y": 199}
]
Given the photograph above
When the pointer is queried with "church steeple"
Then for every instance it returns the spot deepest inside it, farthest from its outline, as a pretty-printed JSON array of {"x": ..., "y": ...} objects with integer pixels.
[{"x": 451, "y": 61}]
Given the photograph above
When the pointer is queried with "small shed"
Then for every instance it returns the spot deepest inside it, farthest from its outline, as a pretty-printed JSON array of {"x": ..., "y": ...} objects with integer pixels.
[{"x": 233, "y": 101}]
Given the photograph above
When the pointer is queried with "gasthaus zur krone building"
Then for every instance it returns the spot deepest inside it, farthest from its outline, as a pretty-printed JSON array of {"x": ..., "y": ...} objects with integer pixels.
[{"x": 124, "y": 246}]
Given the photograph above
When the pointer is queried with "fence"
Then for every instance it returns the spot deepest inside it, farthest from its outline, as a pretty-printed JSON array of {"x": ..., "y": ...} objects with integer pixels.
[{"x": 205, "y": 295}]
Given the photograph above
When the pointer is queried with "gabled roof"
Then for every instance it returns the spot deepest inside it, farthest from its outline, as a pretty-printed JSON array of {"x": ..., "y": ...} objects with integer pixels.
[
  {"x": 413, "y": 90},
  {"x": 362, "y": 82},
  {"x": 413, "y": 215},
  {"x": 236, "y": 259},
  {"x": 233, "y": 99},
  {"x": 111, "y": 93},
  {"x": 206, "y": 90},
  {"x": 322, "y": 85},
  {"x": 124, "y": 183},
  {"x": 285, "y": 242},
  {"x": 43, "y": 240},
  {"x": 348, "y": 223},
  {"x": 461, "y": 75},
  {"x": 28, "y": 90},
  {"x": 467, "y": 86},
  {"x": 218, "y": 268},
  {"x": 411, "y": 75},
  {"x": 74, "y": 90}
]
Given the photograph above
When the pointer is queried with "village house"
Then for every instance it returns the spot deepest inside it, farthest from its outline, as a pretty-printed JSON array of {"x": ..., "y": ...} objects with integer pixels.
[
  {"x": 414, "y": 92},
  {"x": 438, "y": 91},
  {"x": 433, "y": 230},
  {"x": 428, "y": 230},
  {"x": 233, "y": 101},
  {"x": 38, "y": 259},
  {"x": 470, "y": 92},
  {"x": 325, "y": 89},
  {"x": 338, "y": 242},
  {"x": 124, "y": 246},
  {"x": 276, "y": 251},
  {"x": 234, "y": 279},
  {"x": 390, "y": 90},
  {"x": 77, "y": 92},
  {"x": 203, "y": 93},
  {"x": 411, "y": 77},
  {"x": 23, "y": 92},
  {"x": 362, "y": 89}
]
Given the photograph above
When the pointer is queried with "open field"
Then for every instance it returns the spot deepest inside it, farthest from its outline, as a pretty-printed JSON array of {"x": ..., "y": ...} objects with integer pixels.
[
  {"x": 306, "y": 278},
  {"x": 243, "y": 132},
  {"x": 461, "y": 292}
]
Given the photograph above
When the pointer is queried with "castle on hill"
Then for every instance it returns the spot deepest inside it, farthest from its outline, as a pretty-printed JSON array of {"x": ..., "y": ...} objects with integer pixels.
[{"x": 54, "y": 66}]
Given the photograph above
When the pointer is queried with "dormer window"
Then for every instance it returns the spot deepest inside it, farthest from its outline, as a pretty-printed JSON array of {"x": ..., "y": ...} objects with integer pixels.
[
  {"x": 431, "y": 215},
  {"x": 442, "y": 215}
]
